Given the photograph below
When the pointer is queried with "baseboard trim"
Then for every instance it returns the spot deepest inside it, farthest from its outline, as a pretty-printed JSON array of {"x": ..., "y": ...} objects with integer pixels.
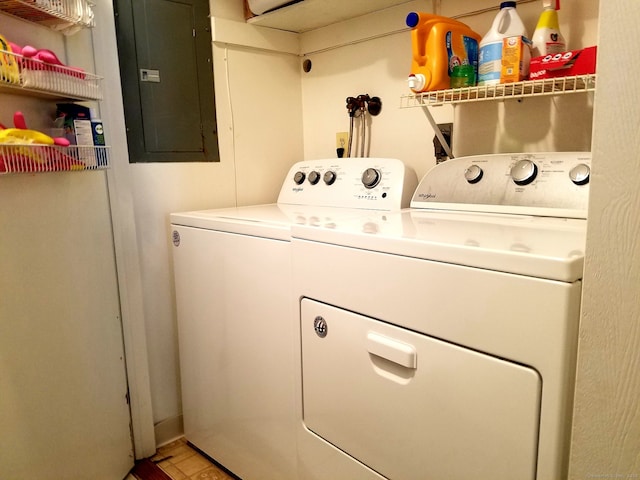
[{"x": 168, "y": 430}]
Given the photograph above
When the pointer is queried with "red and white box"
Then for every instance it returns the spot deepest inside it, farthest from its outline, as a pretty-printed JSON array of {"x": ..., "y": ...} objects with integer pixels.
[{"x": 565, "y": 64}]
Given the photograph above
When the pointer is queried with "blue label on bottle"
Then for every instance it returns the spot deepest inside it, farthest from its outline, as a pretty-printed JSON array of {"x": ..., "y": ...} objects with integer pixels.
[
  {"x": 490, "y": 62},
  {"x": 447, "y": 40},
  {"x": 471, "y": 46},
  {"x": 467, "y": 57}
]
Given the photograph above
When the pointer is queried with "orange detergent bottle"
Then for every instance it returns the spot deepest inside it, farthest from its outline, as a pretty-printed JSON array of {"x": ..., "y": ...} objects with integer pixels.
[{"x": 439, "y": 44}]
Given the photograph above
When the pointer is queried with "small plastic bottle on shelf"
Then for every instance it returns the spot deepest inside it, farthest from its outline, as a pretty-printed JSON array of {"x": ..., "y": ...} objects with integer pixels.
[{"x": 547, "y": 38}]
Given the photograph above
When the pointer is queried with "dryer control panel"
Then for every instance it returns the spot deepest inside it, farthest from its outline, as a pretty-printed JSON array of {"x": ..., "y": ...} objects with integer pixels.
[
  {"x": 371, "y": 183},
  {"x": 545, "y": 184}
]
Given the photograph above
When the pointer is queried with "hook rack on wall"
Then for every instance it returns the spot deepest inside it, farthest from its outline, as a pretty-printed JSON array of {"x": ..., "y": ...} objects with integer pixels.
[{"x": 358, "y": 107}]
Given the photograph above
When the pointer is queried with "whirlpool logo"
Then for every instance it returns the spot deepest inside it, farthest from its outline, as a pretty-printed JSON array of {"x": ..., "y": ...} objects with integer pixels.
[{"x": 427, "y": 196}]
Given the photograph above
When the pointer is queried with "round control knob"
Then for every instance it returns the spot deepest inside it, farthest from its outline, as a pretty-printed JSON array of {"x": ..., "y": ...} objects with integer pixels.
[
  {"x": 314, "y": 177},
  {"x": 580, "y": 174},
  {"x": 524, "y": 172},
  {"x": 329, "y": 177},
  {"x": 371, "y": 177},
  {"x": 299, "y": 177},
  {"x": 473, "y": 174}
]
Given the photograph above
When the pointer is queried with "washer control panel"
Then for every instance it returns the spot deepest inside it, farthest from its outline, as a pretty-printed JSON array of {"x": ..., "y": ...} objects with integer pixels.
[
  {"x": 372, "y": 183},
  {"x": 549, "y": 184}
]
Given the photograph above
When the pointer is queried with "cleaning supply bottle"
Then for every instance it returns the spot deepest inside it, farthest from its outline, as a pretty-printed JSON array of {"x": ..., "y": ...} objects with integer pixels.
[
  {"x": 547, "y": 38},
  {"x": 506, "y": 24},
  {"x": 97, "y": 131},
  {"x": 439, "y": 44}
]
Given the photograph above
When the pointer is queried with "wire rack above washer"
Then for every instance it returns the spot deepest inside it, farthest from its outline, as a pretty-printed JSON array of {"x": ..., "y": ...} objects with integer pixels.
[{"x": 502, "y": 91}]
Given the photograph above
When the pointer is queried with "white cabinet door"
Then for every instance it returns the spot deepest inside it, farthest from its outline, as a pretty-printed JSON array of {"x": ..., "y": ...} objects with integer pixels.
[
  {"x": 63, "y": 386},
  {"x": 413, "y": 407}
]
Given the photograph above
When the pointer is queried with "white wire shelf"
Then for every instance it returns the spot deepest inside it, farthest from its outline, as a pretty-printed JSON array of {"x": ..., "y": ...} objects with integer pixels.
[
  {"x": 32, "y": 75},
  {"x": 528, "y": 88},
  {"x": 66, "y": 16},
  {"x": 32, "y": 158}
]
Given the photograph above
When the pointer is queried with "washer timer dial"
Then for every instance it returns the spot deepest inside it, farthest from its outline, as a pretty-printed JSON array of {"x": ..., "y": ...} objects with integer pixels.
[
  {"x": 524, "y": 172},
  {"x": 371, "y": 177}
]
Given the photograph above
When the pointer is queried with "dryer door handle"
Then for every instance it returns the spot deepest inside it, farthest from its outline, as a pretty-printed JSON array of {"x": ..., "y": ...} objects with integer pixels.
[{"x": 393, "y": 350}]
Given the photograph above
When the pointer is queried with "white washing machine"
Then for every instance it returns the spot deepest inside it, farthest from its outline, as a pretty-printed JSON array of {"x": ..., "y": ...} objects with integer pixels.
[
  {"x": 236, "y": 328},
  {"x": 439, "y": 342}
]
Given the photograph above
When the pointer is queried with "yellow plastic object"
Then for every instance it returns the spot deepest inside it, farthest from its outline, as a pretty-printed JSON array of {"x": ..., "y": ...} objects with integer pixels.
[
  {"x": 439, "y": 44},
  {"x": 9, "y": 72},
  {"x": 19, "y": 135}
]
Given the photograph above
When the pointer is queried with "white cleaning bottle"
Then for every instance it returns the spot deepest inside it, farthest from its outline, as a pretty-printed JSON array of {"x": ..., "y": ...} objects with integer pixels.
[
  {"x": 506, "y": 24},
  {"x": 547, "y": 38}
]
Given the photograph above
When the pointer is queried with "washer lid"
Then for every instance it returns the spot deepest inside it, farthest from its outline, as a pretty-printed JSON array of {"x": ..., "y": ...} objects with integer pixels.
[
  {"x": 544, "y": 247},
  {"x": 268, "y": 221},
  {"x": 261, "y": 220}
]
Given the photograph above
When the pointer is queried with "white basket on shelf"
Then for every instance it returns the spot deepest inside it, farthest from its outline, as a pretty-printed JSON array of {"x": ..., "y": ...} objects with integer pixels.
[
  {"x": 32, "y": 158},
  {"x": 36, "y": 75}
]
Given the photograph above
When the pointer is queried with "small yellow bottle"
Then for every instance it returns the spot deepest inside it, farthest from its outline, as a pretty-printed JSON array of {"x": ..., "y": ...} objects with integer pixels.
[{"x": 547, "y": 38}]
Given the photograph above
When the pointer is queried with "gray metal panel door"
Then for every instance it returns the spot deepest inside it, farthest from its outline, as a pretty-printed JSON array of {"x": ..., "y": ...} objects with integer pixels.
[
  {"x": 171, "y": 112},
  {"x": 167, "y": 77}
]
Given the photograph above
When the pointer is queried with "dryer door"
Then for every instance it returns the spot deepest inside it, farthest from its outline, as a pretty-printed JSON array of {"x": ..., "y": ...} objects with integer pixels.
[{"x": 412, "y": 407}]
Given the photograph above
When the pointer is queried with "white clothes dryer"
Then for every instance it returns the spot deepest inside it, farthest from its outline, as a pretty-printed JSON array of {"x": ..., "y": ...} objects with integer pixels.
[
  {"x": 237, "y": 332},
  {"x": 441, "y": 340}
]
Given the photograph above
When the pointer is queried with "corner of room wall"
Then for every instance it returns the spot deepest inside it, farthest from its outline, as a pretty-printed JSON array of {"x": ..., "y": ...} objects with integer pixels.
[{"x": 258, "y": 100}]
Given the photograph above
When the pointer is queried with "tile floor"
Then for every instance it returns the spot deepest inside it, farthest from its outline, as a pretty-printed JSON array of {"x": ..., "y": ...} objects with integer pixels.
[{"x": 181, "y": 462}]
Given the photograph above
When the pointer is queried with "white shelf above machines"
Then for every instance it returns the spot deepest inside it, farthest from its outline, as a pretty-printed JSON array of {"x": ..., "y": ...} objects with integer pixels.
[{"x": 502, "y": 91}]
